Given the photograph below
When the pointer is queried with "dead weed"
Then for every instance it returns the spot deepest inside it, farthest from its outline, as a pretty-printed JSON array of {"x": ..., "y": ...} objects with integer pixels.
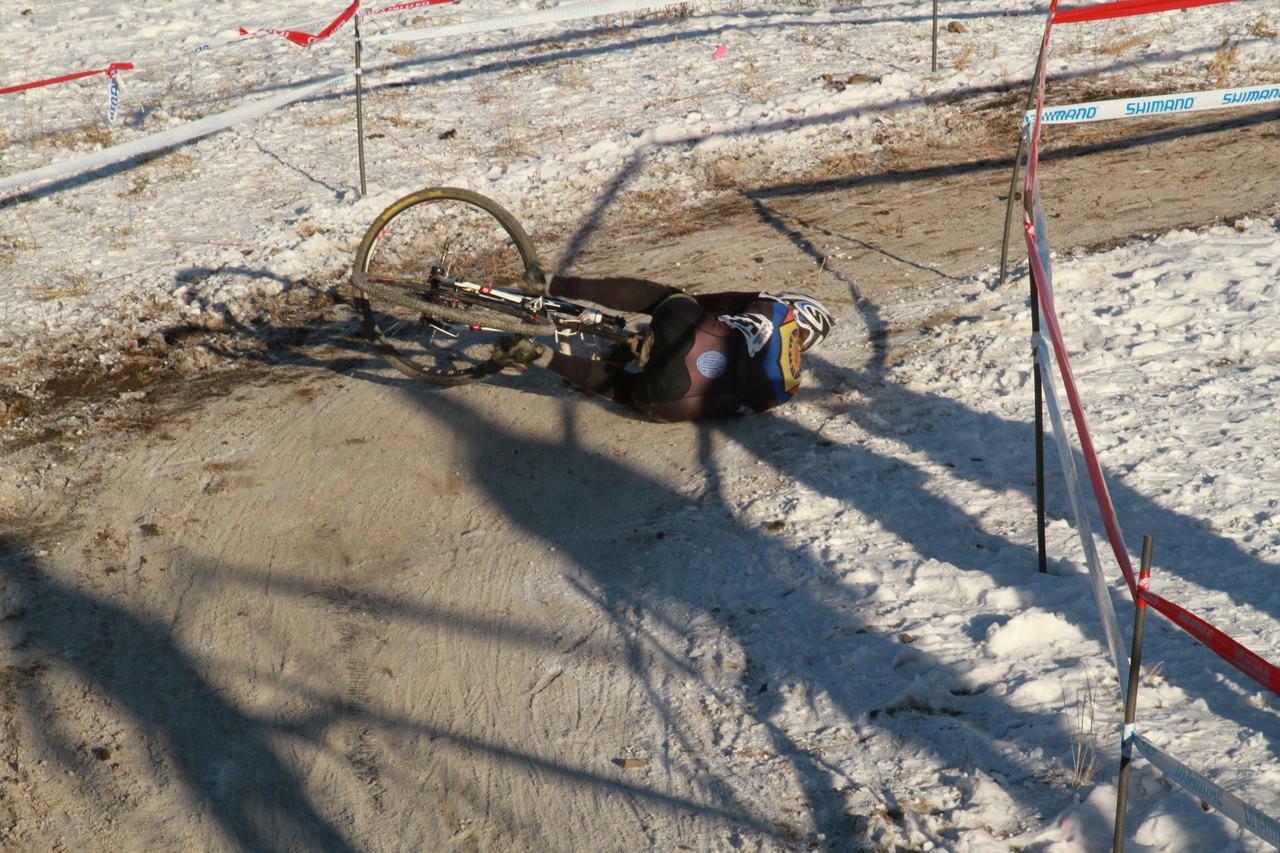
[
  {"x": 1121, "y": 44},
  {"x": 1219, "y": 70}
]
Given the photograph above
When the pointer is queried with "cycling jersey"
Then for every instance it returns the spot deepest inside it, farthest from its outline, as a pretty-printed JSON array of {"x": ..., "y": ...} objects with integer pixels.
[
  {"x": 706, "y": 366},
  {"x": 711, "y": 355}
]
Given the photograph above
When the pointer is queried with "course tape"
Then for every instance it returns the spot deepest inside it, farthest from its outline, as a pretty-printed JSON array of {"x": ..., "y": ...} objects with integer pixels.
[
  {"x": 110, "y": 71},
  {"x": 1035, "y": 232},
  {"x": 1183, "y": 102},
  {"x": 1233, "y": 652},
  {"x": 571, "y": 12},
  {"x": 168, "y": 138},
  {"x": 298, "y": 37},
  {"x": 1257, "y": 822},
  {"x": 246, "y": 35},
  {"x": 1250, "y": 663},
  {"x": 1126, "y": 8},
  {"x": 404, "y": 7},
  {"x": 305, "y": 39},
  {"x": 1097, "y": 580}
]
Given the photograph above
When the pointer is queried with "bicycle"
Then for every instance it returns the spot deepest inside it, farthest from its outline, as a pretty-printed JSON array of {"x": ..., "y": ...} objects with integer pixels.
[{"x": 439, "y": 277}]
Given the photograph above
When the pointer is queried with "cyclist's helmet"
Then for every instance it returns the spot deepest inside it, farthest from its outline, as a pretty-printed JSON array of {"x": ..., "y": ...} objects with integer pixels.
[{"x": 811, "y": 316}]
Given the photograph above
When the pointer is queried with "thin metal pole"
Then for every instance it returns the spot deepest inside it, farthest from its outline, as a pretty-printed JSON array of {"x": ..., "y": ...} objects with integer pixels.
[
  {"x": 1038, "y": 383},
  {"x": 1017, "y": 161},
  {"x": 364, "y": 190},
  {"x": 934, "y": 64},
  {"x": 1037, "y": 379},
  {"x": 1131, "y": 697},
  {"x": 1008, "y": 210}
]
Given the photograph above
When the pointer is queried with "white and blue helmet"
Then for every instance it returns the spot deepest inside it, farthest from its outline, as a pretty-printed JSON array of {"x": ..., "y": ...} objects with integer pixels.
[{"x": 811, "y": 316}]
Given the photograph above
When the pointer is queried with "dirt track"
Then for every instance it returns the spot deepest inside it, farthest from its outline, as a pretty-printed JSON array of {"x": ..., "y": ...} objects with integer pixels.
[{"x": 325, "y": 608}]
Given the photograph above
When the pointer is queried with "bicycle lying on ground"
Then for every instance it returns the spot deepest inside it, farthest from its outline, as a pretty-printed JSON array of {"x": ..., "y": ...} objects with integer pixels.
[{"x": 439, "y": 278}]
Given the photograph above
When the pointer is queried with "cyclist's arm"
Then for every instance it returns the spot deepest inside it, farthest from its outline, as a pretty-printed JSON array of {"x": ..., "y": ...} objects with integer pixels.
[
  {"x": 619, "y": 292},
  {"x": 726, "y": 302}
]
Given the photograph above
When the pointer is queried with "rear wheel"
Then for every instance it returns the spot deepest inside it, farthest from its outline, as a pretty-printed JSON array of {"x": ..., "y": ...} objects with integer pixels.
[{"x": 422, "y": 325}]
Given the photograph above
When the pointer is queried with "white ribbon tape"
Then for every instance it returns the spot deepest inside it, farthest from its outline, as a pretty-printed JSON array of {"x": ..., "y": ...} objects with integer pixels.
[
  {"x": 167, "y": 138},
  {"x": 571, "y": 12},
  {"x": 1257, "y": 822},
  {"x": 1110, "y": 626},
  {"x": 1185, "y": 102}
]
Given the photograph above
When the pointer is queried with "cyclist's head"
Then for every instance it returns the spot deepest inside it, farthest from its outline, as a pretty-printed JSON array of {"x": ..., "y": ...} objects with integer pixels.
[{"x": 815, "y": 320}]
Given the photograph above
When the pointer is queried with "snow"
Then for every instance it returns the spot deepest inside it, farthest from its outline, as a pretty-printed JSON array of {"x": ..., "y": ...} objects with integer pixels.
[{"x": 1173, "y": 339}]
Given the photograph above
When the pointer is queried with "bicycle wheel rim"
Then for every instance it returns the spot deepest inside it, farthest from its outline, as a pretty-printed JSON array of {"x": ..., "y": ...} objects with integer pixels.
[{"x": 430, "y": 334}]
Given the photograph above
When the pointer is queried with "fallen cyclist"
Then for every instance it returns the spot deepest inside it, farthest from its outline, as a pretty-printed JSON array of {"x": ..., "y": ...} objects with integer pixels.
[{"x": 706, "y": 356}]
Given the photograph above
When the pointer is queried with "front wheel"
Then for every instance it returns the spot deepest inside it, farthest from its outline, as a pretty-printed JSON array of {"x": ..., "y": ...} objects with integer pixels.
[{"x": 432, "y": 332}]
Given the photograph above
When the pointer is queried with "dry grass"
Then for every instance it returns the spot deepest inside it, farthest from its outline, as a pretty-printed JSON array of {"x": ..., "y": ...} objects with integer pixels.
[
  {"x": 395, "y": 118},
  {"x": 658, "y": 208},
  {"x": 1121, "y": 44},
  {"x": 1262, "y": 28},
  {"x": 1084, "y": 741},
  {"x": 10, "y": 247},
  {"x": 753, "y": 83},
  {"x": 1219, "y": 70},
  {"x": 573, "y": 77},
  {"x": 333, "y": 119},
  {"x": 510, "y": 146},
  {"x": 67, "y": 284},
  {"x": 548, "y": 46},
  {"x": 517, "y": 71},
  {"x": 678, "y": 11},
  {"x": 159, "y": 169},
  {"x": 965, "y": 57},
  {"x": 85, "y": 136}
]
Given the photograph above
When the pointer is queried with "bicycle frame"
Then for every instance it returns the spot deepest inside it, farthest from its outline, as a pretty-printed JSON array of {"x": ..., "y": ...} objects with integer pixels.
[{"x": 568, "y": 318}]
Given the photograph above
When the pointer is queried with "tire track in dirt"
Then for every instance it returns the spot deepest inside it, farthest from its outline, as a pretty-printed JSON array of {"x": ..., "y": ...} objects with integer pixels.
[{"x": 357, "y": 644}]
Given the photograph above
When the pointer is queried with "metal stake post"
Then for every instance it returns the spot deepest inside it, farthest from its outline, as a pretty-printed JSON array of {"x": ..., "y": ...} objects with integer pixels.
[
  {"x": 1037, "y": 380},
  {"x": 1008, "y": 209},
  {"x": 1037, "y": 383},
  {"x": 934, "y": 64},
  {"x": 1013, "y": 180},
  {"x": 364, "y": 190},
  {"x": 1131, "y": 697}
]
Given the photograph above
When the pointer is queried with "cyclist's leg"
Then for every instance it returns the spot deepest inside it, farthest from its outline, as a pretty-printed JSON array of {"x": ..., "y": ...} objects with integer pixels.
[
  {"x": 595, "y": 377},
  {"x": 619, "y": 293}
]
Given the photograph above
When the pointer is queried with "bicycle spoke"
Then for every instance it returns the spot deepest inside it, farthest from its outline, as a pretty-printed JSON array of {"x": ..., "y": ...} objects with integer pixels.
[{"x": 424, "y": 326}]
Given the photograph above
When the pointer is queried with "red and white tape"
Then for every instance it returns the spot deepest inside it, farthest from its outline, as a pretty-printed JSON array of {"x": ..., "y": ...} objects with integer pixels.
[
  {"x": 1038, "y": 256},
  {"x": 111, "y": 70},
  {"x": 1233, "y": 652},
  {"x": 1125, "y": 9},
  {"x": 304, "y": 39}
]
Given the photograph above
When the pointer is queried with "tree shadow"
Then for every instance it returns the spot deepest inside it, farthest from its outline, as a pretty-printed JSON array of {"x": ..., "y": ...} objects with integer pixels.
[
  {"x": 652, "y": 577},
  {"x": 221, "y": 753},
  {"x": 970, "y": 447},
  {"x": 620, "y": 574}
]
